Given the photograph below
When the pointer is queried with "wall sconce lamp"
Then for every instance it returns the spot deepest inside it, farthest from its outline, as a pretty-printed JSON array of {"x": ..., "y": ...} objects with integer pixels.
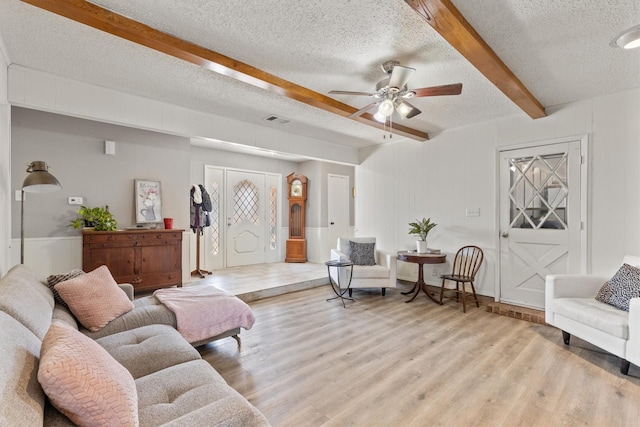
[{"x": 39, "y": 180}]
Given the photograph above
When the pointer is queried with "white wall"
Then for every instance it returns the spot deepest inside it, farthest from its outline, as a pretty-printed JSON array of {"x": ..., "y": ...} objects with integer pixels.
[
  {"x": 456, "y": 170},
  {"x": 5, "y": 165}
]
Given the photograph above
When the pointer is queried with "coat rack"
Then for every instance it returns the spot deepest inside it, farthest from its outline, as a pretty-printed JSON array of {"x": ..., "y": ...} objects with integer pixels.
[{"x": 198, "y": 227}]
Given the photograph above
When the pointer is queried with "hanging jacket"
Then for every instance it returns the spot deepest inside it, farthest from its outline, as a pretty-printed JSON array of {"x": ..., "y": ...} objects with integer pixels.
[
  {"x": 206, "y": 199},
  {"x": 199, "y": 217}
]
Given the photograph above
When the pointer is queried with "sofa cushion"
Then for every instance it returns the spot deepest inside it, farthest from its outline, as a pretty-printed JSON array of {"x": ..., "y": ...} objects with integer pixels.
[
  {"x": 54, "y": 279},
  {"x": 595, "y": 314},
  {"x": 623, "y": 286},
  {"x": 371, "y": 272},
  {"x": 344, "y": 243},
  {"x": 362, "y": 253},
  {"x": 143, "y": 351},
  {"x": 94, "y": 298},
  {"x": 193, "y": 393},
  {"x": 21, "y": 396},
  {"x": 24, "y": 295},
  {"x": 84, "y": 382},
  {"x": 146, "y": 311}
]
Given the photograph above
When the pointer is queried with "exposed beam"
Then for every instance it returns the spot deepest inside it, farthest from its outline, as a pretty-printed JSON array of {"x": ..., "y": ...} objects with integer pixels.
[
  {"x": 105, "y": 20},
  {"x": 447, "y": 20}
]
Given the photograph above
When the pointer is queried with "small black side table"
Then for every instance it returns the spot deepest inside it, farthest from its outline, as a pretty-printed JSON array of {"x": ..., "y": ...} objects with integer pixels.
[{"x": 337, "y": 287}]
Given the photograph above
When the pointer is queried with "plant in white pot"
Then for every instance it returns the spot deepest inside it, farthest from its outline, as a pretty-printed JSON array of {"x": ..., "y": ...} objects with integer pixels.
[{"x": 421, "y": 228}]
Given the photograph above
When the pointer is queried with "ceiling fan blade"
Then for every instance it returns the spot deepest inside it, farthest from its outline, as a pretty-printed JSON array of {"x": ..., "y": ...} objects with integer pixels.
[
  {"x": 346, "y": 92},
  {"x": 400, "y": 76},
  {"x": 452, "y": 89},
  {"x": 363, "y": 110},
  {"x": 406, "y": 110}
]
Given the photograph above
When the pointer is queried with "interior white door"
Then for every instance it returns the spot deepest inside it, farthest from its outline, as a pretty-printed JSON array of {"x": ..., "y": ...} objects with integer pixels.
[
  {"x": 338, "y": 207},
  {"x": 540, "y": 219},
  {"x": 246, "y": 228}
]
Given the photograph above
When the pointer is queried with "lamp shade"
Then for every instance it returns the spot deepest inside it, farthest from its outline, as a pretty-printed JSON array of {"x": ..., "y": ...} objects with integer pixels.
[
  {"x": 39, "y": 179},
  {"x": 627, "y": 39}
]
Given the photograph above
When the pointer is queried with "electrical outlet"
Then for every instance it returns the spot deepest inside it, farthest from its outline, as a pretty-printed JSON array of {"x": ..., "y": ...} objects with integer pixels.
[
  {"x": 76, "y": 200},
  {"x": 435, "y": 273}
]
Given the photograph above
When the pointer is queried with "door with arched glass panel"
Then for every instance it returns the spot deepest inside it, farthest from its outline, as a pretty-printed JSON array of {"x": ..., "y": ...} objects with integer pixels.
[
  {"x": 541, "y": 219},
  {"x": 246, "y": 228}
]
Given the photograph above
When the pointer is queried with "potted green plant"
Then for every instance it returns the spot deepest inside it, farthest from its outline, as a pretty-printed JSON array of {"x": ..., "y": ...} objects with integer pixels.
[
  {"x": 100, "y": 218},
  {"x": 421, "y": 229}
]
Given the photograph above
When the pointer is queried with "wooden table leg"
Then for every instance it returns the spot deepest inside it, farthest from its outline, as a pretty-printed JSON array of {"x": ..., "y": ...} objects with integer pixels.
[{"x": 421, "y": 285}]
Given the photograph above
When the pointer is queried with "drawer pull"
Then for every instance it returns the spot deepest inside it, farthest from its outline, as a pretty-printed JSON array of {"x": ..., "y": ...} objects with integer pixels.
[{"x": 136, "y": 281}]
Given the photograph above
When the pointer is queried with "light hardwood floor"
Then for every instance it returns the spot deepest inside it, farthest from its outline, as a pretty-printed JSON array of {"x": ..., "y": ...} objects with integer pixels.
[{"x": 381, "y": 362}]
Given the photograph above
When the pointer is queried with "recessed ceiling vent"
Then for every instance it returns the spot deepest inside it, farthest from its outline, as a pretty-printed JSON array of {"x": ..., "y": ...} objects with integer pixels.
[{"x": 275, "y": 119}]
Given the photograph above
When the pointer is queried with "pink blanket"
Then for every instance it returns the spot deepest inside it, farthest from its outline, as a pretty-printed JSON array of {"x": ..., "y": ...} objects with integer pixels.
[{"x": 204, "y": 311}]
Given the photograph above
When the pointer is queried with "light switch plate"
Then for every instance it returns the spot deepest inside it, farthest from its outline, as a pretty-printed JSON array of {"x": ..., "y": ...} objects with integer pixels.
[
  {"x": 74, "y": 200},
  {"x": 473, "y": 211}
]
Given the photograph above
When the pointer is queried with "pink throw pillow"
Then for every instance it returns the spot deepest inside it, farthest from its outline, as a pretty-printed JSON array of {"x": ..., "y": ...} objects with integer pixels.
[
  {"x": 94, "y": 298},
  {"x": 84, "y": 382}
]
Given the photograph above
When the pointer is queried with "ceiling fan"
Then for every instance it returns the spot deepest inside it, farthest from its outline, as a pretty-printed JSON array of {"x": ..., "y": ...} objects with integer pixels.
[{"x": 391, "y": 93}]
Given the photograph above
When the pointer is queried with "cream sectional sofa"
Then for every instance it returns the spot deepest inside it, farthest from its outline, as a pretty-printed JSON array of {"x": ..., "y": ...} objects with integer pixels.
[
  {"x": 570, "y": 305},
  {"x": 174, "y": 386}
]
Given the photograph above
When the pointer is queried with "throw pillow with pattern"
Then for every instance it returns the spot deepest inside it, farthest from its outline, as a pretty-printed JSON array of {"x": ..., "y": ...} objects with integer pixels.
[
  {"x": 623, "y": 286},
  {"x": 54, "y": 279},
  {"x": 362, "y": 253}
]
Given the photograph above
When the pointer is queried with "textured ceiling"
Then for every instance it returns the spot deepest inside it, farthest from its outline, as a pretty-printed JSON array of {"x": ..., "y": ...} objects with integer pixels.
[{"x": 558, "y": 49}]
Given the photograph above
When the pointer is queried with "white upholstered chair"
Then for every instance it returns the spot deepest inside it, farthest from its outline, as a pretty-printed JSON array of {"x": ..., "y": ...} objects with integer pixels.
[
  {"x": 571, "y": 307},
  {"x": 381, "y": 275}
]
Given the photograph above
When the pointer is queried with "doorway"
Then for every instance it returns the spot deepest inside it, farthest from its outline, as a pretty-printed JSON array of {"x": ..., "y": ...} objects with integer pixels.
[
  {"x": 338, "y": 207},
  {"x": 542, "y": 217},
  {"x": 245, "y": 218}
]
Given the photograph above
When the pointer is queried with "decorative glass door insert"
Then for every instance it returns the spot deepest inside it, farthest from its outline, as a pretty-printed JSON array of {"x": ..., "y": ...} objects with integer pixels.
[{"x": 538, "y": 192}]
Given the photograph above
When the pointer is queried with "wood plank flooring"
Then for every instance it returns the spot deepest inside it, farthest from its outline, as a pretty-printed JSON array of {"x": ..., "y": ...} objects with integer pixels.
[{"x": 381, "y": 362}]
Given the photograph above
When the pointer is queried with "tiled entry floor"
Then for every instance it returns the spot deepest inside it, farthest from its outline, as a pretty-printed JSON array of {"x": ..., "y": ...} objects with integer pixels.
[{"x": 259, "y": 281}]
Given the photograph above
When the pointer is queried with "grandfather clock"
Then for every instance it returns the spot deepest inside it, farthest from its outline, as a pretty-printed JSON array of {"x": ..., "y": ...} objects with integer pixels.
[{"x": 296, "y": 244}]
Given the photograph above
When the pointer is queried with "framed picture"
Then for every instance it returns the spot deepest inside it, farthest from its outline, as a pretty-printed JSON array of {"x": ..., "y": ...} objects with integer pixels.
[{"x": 148, "y": 201}]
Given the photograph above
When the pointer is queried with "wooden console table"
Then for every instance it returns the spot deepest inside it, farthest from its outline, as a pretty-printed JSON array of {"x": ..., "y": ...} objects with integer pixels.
[
  {"x": 421, "y": 260},
  {"x": 148, "y": 259}
]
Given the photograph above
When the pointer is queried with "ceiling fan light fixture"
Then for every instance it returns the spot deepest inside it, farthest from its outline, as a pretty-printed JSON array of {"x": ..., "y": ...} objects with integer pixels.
[
  {"x": 386, "y": 108},
  {"x": 403, "y": 109},
  {"x": 628, "y": 39},
  {"x": 406, "y": 110},
  {"x": 380, "y": 117}
]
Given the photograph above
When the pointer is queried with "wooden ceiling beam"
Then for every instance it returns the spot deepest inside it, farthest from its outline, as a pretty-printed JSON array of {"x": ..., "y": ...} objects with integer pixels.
[
  {"x": 105, "y": 20},
  {"x": 447, "y": 20}
]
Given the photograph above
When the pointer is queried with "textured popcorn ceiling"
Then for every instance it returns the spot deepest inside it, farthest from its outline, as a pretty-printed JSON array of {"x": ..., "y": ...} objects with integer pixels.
[{"x": 559, "y": 50}]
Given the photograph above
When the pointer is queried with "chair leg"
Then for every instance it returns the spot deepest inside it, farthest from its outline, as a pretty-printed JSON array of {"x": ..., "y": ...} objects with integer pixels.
[
  {"x": 442, "y": 290},
  {"x": 464, "y": 299},
  {"x": 350, "y": 292},
  {"x": 475, "y": 297},
  {"x": 457, "y": 291}
]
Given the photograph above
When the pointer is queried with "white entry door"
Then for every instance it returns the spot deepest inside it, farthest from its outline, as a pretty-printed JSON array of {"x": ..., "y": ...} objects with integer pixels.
[
  {"x": 338, "y": 207},
  {"x": 541, "y": 219},
  {"x": 246, "y": 218}
]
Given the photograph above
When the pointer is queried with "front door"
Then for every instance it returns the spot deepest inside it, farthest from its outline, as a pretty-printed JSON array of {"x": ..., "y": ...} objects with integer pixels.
[
  {"x": 541, "y": 219},
  {"x": 246, "y": 227}
]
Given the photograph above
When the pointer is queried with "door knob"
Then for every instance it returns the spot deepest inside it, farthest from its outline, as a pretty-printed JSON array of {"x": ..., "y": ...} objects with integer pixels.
[{"x": 505, "y": 234}]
